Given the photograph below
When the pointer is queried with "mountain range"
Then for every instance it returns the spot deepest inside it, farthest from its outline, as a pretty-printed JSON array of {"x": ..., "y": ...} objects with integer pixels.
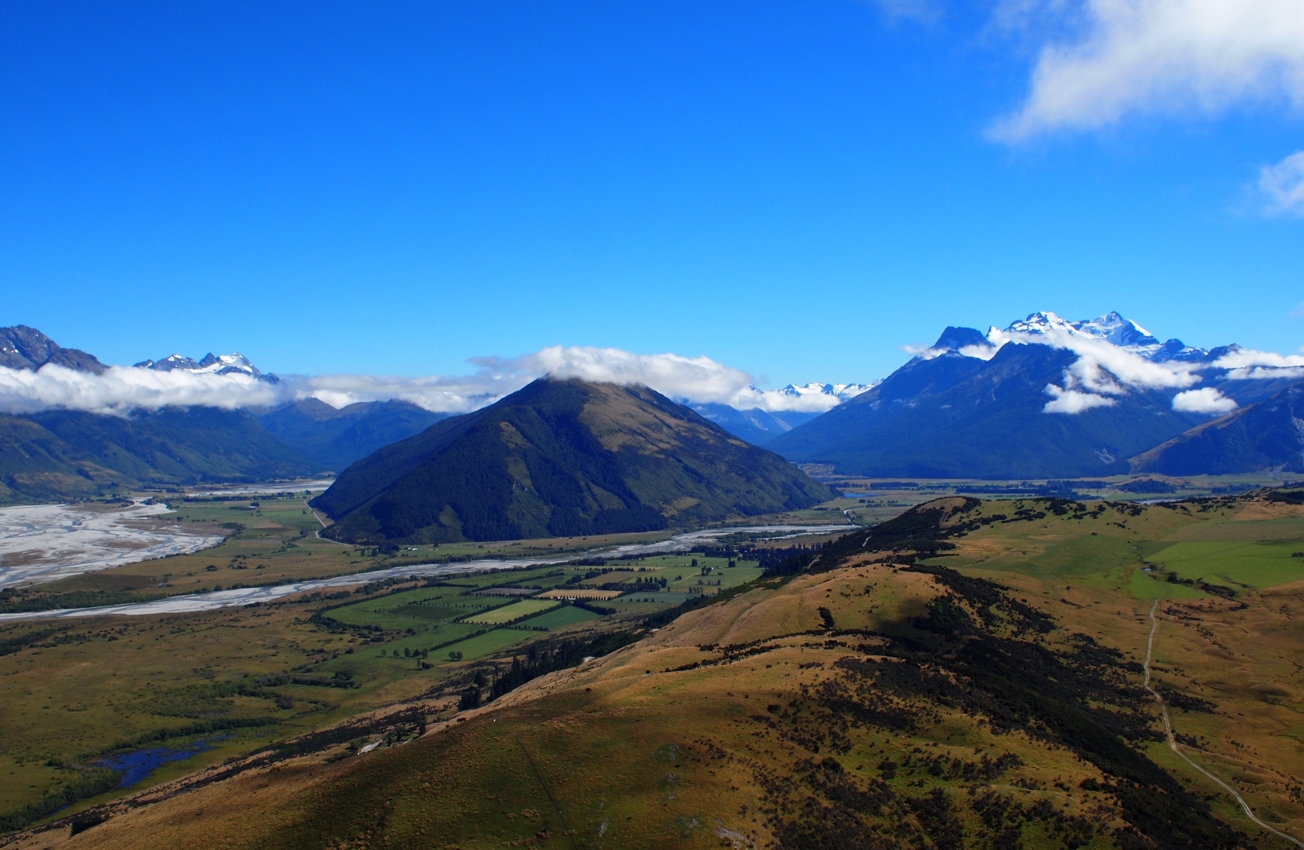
[
  {"x": 216, "y": 364},
  {"x": 759, "y": 426},
  {"x": 57, "y": 454},
  {"x": 561, "y": 458},
  {"x": 1041, "y": 398},
  {"x": 1045, "y": 398},
  {"x": 1267, "y": 435},
  {"x": 333, "y": 438}
]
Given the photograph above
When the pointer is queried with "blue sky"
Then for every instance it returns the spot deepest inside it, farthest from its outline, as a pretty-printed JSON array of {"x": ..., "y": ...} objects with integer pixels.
[{"x": 793, "y": 189}]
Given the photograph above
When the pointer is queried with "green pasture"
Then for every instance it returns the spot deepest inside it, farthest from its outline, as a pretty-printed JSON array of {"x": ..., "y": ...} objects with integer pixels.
[
  {"x": 567, "y": 615},
  {"x": 679, "y": 567},
  {"x": 420, "y": 610},
  {"x": 484, "y": 645},
  {"x": 1145, "y": 586},
  {"x": 668, "y": 597},
  {"x": 515, "y": 611},
  {"x": 1284, "y": 529},
  {"x": 1078, "y": 555},
  {"x": 291, "y": 513},
  {"x": 1240, "y": 565}
]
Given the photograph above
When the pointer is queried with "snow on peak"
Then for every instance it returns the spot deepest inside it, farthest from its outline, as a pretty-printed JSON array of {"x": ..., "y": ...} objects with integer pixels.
[
  {"x": 1111, "y": 327},
  {"x": 1120, "y": 331},
  {"x": 1115, "y": 356},
  {"x": 212, "y": 364},
  {"x": 814, "y": 397},
  {"x": 842, "y": 392}
]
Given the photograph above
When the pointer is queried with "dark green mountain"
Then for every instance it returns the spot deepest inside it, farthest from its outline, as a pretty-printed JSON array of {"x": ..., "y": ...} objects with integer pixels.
[
  {"x": 561, "y": 458},
  {"x": 64, "y": 454},
  {"x": 1263, "y": 437},
  {"x": 333, "y": 438},
  {"x": 956, "y": 417}
]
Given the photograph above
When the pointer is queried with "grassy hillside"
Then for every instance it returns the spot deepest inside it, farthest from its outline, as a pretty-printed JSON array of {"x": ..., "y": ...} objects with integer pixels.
[
  {"x": 62, "y": 454},
  {"x": 562, "y": 458},
  {"x": 968, "y": 675}
]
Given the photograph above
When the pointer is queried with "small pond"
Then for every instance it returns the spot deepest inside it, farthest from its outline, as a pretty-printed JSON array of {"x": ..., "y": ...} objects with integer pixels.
[{"x": 138, "y": 765}]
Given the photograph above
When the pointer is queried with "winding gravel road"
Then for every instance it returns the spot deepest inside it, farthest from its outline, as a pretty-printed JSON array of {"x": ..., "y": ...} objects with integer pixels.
[{"x": 1176, "y": 748}]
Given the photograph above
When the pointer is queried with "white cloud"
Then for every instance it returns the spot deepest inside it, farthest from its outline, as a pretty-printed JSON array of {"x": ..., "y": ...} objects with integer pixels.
[
  {"x": 811, "y": 398},
  {"x": 980, "y": 352},
  {"x": 1281, "y": 190},
  {"x": 1265, "y": 373},
  {"x": 439, "y": 394},
  {"x": 122, "y": 389},
  {"x": 698, "y": 378},
  {"x": 1203, "y": 400},
  {"x": 1244, "y": 358},
  {"x": 1126, "y": 57},
  {"x": 925, "y": 352},
  {"x": 1104, "y": 368},
  {"x": 1246, "y": 364},
  {"x": 1073, "y": 401}
]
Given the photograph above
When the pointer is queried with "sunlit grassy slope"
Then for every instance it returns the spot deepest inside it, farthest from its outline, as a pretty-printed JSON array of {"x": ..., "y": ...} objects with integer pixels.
[{"x": 986, "y": 695}]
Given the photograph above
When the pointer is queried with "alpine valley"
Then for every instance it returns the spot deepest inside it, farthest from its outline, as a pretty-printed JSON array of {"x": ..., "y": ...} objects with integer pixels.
[{"x": 571, "y": 610}]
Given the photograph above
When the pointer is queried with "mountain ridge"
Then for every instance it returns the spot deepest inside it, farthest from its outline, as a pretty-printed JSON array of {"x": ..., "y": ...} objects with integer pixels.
[
  {"x": 1266, "y": 437},
  {"x": 1042, "y": 398},
  {"x": 22, "y": 347},
  {"x": 561, "y": 458}
]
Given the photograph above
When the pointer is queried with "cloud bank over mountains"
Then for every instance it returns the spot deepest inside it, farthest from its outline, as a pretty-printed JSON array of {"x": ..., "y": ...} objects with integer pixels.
[
  {"x": 120, "y": 389},
  {"x": 1114, "y": 357}
]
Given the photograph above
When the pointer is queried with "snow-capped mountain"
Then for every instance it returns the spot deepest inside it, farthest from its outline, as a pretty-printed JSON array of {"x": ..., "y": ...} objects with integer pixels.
[
  {"x": 841, "y": 392},
  {"x": 214, "y": 364},
  {"x": 1111, "y": 328},
  {"x": 1042, "y": 397},
  {"x": 1116, "y": 356}
]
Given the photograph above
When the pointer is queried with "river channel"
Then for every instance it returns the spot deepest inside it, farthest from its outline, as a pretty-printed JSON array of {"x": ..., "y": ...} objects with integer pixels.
[
  {"x": 214, "y": 600},
  {"x": 40, "y": 543}
]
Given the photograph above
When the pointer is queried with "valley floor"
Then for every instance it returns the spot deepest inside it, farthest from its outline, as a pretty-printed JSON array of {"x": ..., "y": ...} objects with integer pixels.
[{"x": 967, "y": 676}]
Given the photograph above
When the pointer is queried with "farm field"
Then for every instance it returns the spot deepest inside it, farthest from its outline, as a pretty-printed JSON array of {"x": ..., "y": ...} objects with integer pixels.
[
  {"x": 567, "y": 615},
  {"x": 1232, "y": 564},
  {"x": 515, "y": 611},
  {"x": 585, "y": 593}
]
